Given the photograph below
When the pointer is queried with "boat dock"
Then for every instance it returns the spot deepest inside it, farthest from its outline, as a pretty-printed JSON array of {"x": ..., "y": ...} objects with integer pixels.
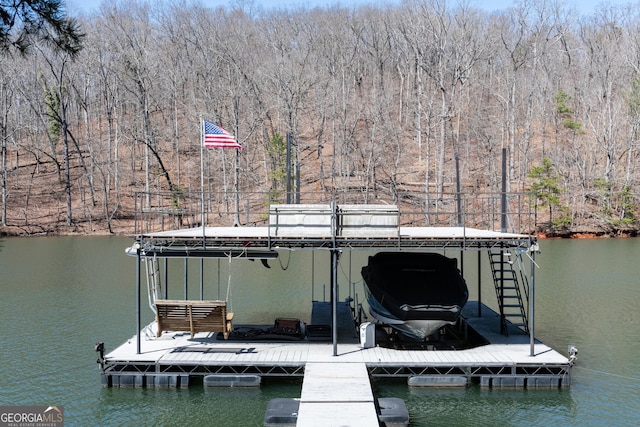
[
  {"x": 335, "y": 389},
  {"x": 334, "y": 355}
]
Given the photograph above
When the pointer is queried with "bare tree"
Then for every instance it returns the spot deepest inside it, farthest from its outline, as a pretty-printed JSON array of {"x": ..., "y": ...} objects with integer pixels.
[
  {"x": 603, "y": 38},
  {"x": 6, "y": 102},
  {"x": 57, "y": 108},
  {"x": 141, "y": 69}
]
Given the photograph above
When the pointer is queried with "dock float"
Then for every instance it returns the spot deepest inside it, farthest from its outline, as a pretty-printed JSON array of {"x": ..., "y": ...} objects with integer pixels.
[{"x": 336, "y": 394}]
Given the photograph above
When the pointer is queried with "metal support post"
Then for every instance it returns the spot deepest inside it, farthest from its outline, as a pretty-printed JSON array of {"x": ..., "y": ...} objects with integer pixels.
[
  {"x": 532, "y": 305},
  {"x": 138, "y": 298}
]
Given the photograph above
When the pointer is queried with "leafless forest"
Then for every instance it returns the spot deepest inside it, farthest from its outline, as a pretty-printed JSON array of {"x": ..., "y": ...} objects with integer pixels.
[{"x": 388, "y": 104}]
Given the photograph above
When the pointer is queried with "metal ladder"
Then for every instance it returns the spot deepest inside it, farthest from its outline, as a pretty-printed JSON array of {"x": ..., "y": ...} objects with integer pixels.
[{"x": 506, "y": 280}]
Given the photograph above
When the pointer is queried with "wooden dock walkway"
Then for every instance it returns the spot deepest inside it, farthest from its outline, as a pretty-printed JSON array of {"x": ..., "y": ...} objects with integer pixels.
[{"x": 336, "y": 394}]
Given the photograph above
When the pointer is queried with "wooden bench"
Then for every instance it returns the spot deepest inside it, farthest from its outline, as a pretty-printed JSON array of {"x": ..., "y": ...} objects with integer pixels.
[{"x": 193, "y": 316}]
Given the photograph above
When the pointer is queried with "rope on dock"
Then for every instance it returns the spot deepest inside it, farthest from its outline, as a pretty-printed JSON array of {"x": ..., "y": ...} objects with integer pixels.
[{"x": 609, "y": 373}]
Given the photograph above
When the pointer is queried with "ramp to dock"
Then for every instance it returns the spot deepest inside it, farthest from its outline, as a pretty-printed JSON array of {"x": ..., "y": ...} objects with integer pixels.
[
  {"x": 321, "y": 315},
  {"x": 336, "y": 394}
]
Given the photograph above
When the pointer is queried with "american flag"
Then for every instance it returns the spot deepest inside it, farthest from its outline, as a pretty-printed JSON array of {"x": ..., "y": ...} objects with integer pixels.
[{"x": 216, "y": 137}]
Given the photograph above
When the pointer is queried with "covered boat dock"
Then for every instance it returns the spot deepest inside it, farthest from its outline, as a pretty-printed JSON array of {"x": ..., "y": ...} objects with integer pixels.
[
  {"x": 511, "y": 356},
  {"x": 335, "y": 354}
]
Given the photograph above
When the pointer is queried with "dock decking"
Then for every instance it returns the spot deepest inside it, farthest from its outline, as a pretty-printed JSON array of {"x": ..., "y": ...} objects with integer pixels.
[
  {"x": 176, "y": 359},
  {"x": 339, "y": 394}
]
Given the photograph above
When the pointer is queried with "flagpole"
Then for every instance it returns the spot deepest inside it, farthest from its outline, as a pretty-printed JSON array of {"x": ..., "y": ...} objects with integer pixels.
[
  {"x": 236, "y": 219},
  {"x": 202, "y": 203},
  {"x": 202, "y": 177}
]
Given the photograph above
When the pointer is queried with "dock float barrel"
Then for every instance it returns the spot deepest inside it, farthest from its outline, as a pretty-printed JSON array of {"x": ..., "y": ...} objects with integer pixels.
[
  {"x": 392, "y": 412},
  {"x": 438, "y": 381},
  {"x": 231, "y": 380},
  {"x": 282, "y": 412}
]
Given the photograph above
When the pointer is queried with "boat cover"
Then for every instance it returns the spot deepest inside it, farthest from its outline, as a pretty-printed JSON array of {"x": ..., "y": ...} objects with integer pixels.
[{"x": 416, "y": 285}]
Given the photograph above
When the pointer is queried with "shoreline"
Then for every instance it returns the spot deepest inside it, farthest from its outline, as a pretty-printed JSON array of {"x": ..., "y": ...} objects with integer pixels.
[{"x": 124, "y": 229}]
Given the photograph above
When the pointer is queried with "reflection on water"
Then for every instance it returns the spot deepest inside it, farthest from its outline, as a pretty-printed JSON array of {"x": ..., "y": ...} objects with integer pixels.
[
  {"x": 61, "y": 295},
  {"x": 189, "y": 407},
  {"x": 474, "y": 406}
]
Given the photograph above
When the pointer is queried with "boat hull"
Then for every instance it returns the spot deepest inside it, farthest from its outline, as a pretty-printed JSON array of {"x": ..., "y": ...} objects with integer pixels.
[
  {"x": 417, "y": 329},
  {"x": 415, "y": 293}
]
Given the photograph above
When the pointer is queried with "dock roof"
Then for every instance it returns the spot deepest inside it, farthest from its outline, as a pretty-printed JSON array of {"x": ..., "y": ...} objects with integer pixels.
[{"x": 210, "y": 239}]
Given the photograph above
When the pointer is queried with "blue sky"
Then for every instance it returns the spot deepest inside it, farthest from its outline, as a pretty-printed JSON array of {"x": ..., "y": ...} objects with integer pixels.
[{"x": 584, "y": 6}]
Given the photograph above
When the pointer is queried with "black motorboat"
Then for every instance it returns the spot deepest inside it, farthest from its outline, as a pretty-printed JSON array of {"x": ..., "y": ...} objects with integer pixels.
[{"x": 416, "y": 293}]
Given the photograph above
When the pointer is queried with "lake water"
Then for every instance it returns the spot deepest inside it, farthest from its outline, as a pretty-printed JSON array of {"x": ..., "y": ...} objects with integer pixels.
[{"x": 61, "y": 295}]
